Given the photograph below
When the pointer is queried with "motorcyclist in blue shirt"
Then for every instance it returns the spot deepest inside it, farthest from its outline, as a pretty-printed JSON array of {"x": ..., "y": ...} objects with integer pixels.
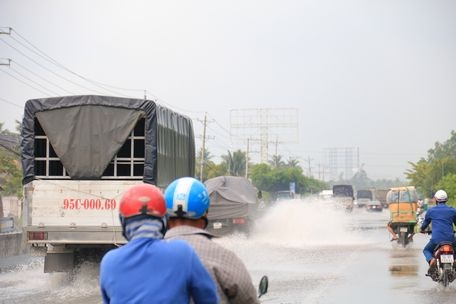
[
  {"x": 442, "y": 218},
  {"x": 149, "y": 269}
]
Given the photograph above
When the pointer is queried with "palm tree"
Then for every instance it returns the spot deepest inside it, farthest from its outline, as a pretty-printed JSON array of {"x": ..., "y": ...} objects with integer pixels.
[
  {"x": 277, "y": 161},
  {"x": 235, "y": 163},
  {"x": 292, "y": 162}
]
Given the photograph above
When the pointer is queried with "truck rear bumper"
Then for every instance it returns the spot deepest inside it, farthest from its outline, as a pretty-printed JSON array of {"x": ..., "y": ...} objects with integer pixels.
[
  {"x": 78, "y": 235},
  {"x": 63, "y": 247}
]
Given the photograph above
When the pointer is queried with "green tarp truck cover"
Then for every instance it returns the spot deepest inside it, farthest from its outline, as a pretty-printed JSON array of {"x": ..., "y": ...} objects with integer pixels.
[{"x": 87, "y": 131}]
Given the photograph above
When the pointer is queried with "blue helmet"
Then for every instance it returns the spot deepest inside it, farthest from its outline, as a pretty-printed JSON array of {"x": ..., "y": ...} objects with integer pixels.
[{"x": 187, "y": 197}]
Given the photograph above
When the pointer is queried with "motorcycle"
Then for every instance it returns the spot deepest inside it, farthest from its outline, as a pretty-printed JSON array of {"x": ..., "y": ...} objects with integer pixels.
[
  {"x": 445, "y": 270},
  {"x": 405, "y": 233}
]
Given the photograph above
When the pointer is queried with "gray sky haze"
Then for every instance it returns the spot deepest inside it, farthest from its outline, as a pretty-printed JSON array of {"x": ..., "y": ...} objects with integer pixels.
[{"x": 378, "y": 76}]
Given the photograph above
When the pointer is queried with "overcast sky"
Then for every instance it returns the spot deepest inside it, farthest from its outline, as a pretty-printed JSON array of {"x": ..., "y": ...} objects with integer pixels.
[{"x": 377, "y": 76}]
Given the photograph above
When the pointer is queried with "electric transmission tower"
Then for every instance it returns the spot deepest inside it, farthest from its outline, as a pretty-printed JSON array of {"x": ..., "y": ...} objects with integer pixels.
[
  {"x": 342, "y": 162},
  {"x": 264, "y": 126}
]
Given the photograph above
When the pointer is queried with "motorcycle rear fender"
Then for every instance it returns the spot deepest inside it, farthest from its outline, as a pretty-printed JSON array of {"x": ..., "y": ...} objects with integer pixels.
[{"x": 446, "y": 247}]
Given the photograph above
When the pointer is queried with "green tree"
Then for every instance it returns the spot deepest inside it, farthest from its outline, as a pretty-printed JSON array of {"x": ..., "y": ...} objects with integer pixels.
[
  {"x": 268, "y": 178},
  {"x": 276, "y": 161},
  {"x": 292, "y": 162},
  {"x": 448, "y": 183},
  {"x": 448, "y": 148},
  {"x": 261, "y": 176},
  {"x": 10, "y": 168},
  {"x": 235, "y": 163},
  {"x": 10, "y": 174},
  {"x": 426, "y": 174},
  {"x": 360, "y": 180},
  {"x": 214, "y": 170}
]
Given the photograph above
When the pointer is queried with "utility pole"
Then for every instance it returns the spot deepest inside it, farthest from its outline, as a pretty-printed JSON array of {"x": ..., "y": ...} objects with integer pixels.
[
  {"x": 309, "y": 169},
  {"x": 276, "y": 145},
  {"x": 5, "y": 61},
  {"x": 247, "y": 160},
  {"x": 5, "y": 30},
  {"x": 203, "y": 147}
]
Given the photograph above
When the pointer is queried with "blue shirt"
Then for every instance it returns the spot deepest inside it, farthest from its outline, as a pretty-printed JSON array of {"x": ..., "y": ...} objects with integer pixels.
[
  {"x": 442, "y": 217},
  {"x": 147, "y": 270}
]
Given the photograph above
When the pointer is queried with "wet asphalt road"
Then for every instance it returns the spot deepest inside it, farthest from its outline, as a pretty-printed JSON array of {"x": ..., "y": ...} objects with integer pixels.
[{"x": 311, "y": 252}]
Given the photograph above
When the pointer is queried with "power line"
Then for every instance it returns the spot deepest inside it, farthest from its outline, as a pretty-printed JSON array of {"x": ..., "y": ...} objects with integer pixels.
[
  {"x": 43, "y": 55},
  {"x": 222, "y": 127},
  {"x": 33, "y": 81},
  {"x": 31, "y": 49},
  {"x": 27, "y": 84},
  {"x": 217, "y": 132},
  {"x": 47, "y": 69},
  {"x": 10, "y": 102},
  {"x": 44, "y": 79}
]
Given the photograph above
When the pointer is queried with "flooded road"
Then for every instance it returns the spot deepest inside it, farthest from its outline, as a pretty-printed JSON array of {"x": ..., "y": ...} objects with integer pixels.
[{"x": 311, "y": 253}]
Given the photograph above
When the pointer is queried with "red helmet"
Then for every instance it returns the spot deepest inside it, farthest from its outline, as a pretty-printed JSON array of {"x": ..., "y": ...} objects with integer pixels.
[{"x": 142, "y": 199}]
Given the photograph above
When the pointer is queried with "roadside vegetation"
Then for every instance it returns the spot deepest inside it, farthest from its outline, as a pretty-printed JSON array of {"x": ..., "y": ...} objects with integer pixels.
[
  {"x": 10, "y": 168},
  {"x": 437, "y": 170}
]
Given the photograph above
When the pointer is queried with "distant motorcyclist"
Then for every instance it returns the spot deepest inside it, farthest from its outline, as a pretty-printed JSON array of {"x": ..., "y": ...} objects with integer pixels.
[
  {"x": 442, "y": 218},
  {"x": 148, "y": 269},
  {"x": 187, "y": 203}
]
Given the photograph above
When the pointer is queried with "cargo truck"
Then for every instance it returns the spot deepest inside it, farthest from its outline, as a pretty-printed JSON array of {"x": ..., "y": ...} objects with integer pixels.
[
  {"x": 343, "y": 196},
  {"x": 79, "y": 153}
]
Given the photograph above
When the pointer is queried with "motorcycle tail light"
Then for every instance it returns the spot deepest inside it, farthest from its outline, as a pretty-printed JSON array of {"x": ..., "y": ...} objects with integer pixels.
[{"x": 447, "y": 248}]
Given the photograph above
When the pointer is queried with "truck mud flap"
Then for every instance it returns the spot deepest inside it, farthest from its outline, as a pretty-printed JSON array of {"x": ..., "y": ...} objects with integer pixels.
[{"x": 59, "y": 262}]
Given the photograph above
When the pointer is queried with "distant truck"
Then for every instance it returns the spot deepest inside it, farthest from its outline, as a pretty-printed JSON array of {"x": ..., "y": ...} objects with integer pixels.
[
  {"x": 79, "y": 154},
  {"x": 380, "y": 195},
  {"x": 343, "y": 196},
  {"x": 234, "y": 204},
  {"x": 363, "y": 197}
]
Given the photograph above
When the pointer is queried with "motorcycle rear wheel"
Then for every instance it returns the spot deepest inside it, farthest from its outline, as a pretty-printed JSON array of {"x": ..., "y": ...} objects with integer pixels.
[
  {"x": 445, "y": 280},
  {"x": 403, "y": 240}
]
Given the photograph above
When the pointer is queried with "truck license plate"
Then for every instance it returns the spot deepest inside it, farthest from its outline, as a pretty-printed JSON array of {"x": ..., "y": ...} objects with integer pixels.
[
  {"x": 446, "y": 258},
  {"x": 217, "y": 225}
]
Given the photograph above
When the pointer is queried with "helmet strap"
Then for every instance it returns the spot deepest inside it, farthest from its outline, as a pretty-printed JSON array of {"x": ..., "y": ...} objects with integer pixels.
[
  {"x": 180, "y": 211},
  {"x": 206, "y": 222},
  {"x": 122, "y": 223}
]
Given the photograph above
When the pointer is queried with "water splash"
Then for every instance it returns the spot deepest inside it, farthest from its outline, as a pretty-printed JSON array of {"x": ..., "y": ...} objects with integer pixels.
[
  {"x": 27, "y": 283},
  {"x": 300, "y": 223}
]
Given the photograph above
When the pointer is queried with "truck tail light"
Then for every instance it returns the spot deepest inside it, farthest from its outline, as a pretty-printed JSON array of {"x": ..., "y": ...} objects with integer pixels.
[
  {"x": 37, "y": 236},
  {"x": 239, "y": 221}
]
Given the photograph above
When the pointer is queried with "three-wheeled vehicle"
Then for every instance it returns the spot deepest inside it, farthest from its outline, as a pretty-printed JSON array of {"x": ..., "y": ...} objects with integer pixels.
[{"x": 402, "y": 204}]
